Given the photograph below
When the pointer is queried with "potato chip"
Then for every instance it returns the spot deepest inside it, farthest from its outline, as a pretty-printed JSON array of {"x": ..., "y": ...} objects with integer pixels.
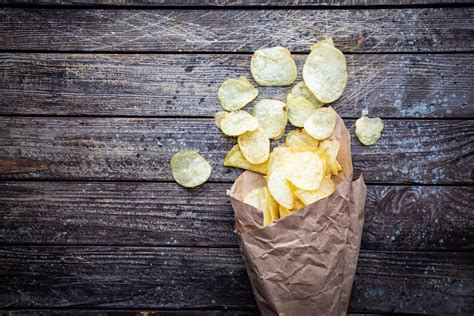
[
  {"x": 284, "y": 211},
  {"x": 236, "y": 123},
  {"x": 255, "y": 146},
  {"x": 271, "y": 206},
  {"x": 254, "y": 198},
  {"x": 218, "y": 118},
  {"x": 331, "y": 147},
  {"x": 326, "y": 188},
  {"x": 368, "y": 130},
  {"x": 299, "y": 110},
  {"x": 273, "y": 67},
  {"x": 321, "y": 123},
  {"x": 325, "y": 71},
  {"x": 298, "y": 138},
  {"x": 279, "y": 188},
  {"x": 189, "y": 168},
  {"x": 297, "y": 205},
  {"x": 235, "y": 158},
  {"x": 272, "y": 116},
  {"x": 261, "y": 199},
  {"x": 304, "y": 170},
  {"x": 277, "y": 158},
  {"x": 300, "y": 90},
  {"x": 234, "y": 94}
]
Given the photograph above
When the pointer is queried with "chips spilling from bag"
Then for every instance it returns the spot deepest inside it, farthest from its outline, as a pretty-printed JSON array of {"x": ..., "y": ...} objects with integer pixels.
[
  {"x": 189, "y": 168},
  {"x": 298, "y": 173},
  {"x": 368, "y": 130}
]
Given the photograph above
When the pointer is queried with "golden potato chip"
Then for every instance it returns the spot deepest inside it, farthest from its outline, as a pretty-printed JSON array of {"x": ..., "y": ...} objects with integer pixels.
[
  {"x": 368, "y": 130},
  {"x": 299, "y": 110},
  {"x": 279, "y": 188},
  {"x": 321, "y": 123},
  {"x": 277, "y": 158},
  {"x": 271, "y": 205},
  {"x": 235, "y": 158},
  {"x": 272, "y": 116},
  {"x": 189, "y": 168},
  {"x": 301, "y": 104},
  {"x": 284, "y": 211},
  {"x": 326, "y": 188},
  {"x": 255, "y": 146},
  {"x": 254, "y": 198},
  {"x": 331, "y": 147},
  {"x": 273, "y": 67},
  {"x": 236, "y": 123},
  {"x": 297, "y": 205},
  {"x": 261, "y": 199},
  {"x": 325, "y": 71},
  {"x": 299, "y": 138},
  {"x": 300, "y": 90},
  {"x": 304, "y": 170},
  {"x": 234, "y": 94}
]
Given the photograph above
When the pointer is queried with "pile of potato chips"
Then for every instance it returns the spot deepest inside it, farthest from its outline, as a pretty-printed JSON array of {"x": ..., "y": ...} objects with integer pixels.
[{"x": 299, "y": 172}]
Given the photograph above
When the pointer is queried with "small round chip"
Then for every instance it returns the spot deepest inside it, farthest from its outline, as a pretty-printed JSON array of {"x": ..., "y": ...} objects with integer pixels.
[
  {"x": 280, "y": 189},
  {"x": 189, "y": 168},
  {"x": 325, "y": 71},
  {"x": 234, "y": 94},
  {"x": 236, "y": 123},
  {"x": 368, "y": 130},
  {"x": 272, "y": 116},
  {"x": 305, "y": 170},
  {"x": 255, "y": 146},
  {"x": 321, "y": 123},
  {"x": 273, "y": 67}
]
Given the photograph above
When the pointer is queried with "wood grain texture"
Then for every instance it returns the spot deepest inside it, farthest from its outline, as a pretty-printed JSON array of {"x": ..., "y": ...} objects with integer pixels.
[
  {"x": 211, "y": 277},
  {"x": 385, "y": 30},
  {"x": 164, "y": 214},
  {"x": 186, "y": 85},
  {"x": 417, "y": 151},
  {"x": 236, "y": 3},
  {"x": 118, "y": 312}
]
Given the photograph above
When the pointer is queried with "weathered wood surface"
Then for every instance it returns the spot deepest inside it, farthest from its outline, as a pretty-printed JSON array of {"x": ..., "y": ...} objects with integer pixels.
[
  {"x": 154, "y": 277},
  {"x": 128, "y": 312},
  {"x": 361, "y": 30},
  {"x": 186, "y": 85},
  {"x": 410, "y": 151},
  {"x": 237, "y": 3},
  {"x": 161, "y": 214}
]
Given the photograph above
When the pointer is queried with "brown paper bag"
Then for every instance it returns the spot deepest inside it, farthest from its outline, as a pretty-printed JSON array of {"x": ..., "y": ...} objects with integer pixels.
[{"x": 303, "y": 264}]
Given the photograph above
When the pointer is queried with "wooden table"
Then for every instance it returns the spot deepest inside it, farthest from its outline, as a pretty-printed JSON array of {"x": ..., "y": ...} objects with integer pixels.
[{"x": 96, "y": 95}]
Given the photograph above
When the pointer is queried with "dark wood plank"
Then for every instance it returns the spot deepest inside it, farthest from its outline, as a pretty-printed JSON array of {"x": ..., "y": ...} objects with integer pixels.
[
  {"x": 410, "y": 151},
  {"x": 385, "y": 30},
  {"x": 186, "y": 85},
  {"x": 137, "y": 277},
  {"x": 236, "y": 3},
  {"x": 118, "y": 312},
  {"x": 161, "y": 214}
]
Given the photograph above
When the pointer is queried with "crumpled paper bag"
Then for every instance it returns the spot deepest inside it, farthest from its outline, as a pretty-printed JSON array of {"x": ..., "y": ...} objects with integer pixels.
[{"x": 304, "y": 264}]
